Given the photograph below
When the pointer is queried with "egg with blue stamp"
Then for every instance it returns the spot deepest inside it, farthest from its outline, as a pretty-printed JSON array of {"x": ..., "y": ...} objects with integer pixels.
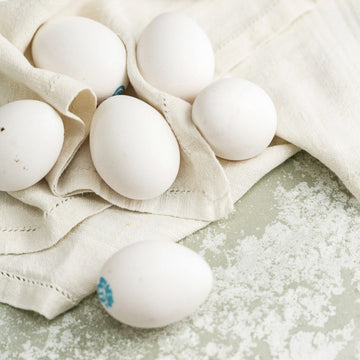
[{"x": 154, "y": 283}]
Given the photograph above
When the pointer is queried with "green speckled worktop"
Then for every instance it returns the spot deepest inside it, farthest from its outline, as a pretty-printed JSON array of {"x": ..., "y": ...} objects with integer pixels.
[{"x": 287, "y": 279}]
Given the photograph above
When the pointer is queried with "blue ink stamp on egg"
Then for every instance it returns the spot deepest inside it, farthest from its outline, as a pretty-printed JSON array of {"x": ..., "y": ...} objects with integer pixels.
[
  {"x": 105, "y": 293},
  {"x": 119, "y": 91}
]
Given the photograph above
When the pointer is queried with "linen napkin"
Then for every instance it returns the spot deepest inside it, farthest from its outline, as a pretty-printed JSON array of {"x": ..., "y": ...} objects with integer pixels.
[
  {"x": 201, "y": 190},
  {"x": 297, "y": 51}
]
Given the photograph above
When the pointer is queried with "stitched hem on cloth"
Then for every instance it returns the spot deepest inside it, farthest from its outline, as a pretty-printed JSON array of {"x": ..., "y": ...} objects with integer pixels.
[
  {"x": 15, "y": 295},
  {"x": 46, "y": 235}
]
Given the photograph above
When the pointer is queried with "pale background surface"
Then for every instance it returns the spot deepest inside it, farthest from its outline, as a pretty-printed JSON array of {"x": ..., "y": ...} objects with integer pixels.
[{"x": 286, "y": 265}]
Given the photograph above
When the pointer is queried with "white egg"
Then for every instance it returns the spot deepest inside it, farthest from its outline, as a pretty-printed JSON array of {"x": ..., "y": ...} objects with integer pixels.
[
  {"x": 236, "y": 117},
  {"x": 85, "y": 50},
  {"x": 175, "y": 55},
  {"x": 31, "y": 138},
  {"x": 133, "y": 148},
  {"x": 154, "y": 283}
]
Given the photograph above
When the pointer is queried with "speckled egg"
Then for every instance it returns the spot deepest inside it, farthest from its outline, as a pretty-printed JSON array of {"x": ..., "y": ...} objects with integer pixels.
[{"x": 31, "y": 139}]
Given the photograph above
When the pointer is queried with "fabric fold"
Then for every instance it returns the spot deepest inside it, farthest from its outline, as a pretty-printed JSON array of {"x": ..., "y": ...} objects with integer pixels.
[{"x": 201, "y": 190}]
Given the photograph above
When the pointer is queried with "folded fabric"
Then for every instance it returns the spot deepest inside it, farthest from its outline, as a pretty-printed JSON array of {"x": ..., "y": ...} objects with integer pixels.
[
  {"x": 201, "y": 190},
  {"x": 298, "y": 51},
  {"x": 56, "y": 279}
]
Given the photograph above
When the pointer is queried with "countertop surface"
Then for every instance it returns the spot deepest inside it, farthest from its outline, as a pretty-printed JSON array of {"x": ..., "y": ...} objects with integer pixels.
[{"x": 287, "y": 279}]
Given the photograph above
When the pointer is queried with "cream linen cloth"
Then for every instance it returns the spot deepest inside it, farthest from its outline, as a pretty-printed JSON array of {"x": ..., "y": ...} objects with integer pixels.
[{"x": 304, "y": 53}]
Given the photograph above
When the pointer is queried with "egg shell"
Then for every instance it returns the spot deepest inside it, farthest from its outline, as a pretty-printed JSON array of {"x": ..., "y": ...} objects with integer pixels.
[
  {"x": 236, "y": 117},
  {"x": 154, "y": 283},
  {"x": 133, "y": 148},
  {"x": 83, "y": 49},
  {"x": 175, "y": 55},
  {"x": 31, "y": 139}
]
